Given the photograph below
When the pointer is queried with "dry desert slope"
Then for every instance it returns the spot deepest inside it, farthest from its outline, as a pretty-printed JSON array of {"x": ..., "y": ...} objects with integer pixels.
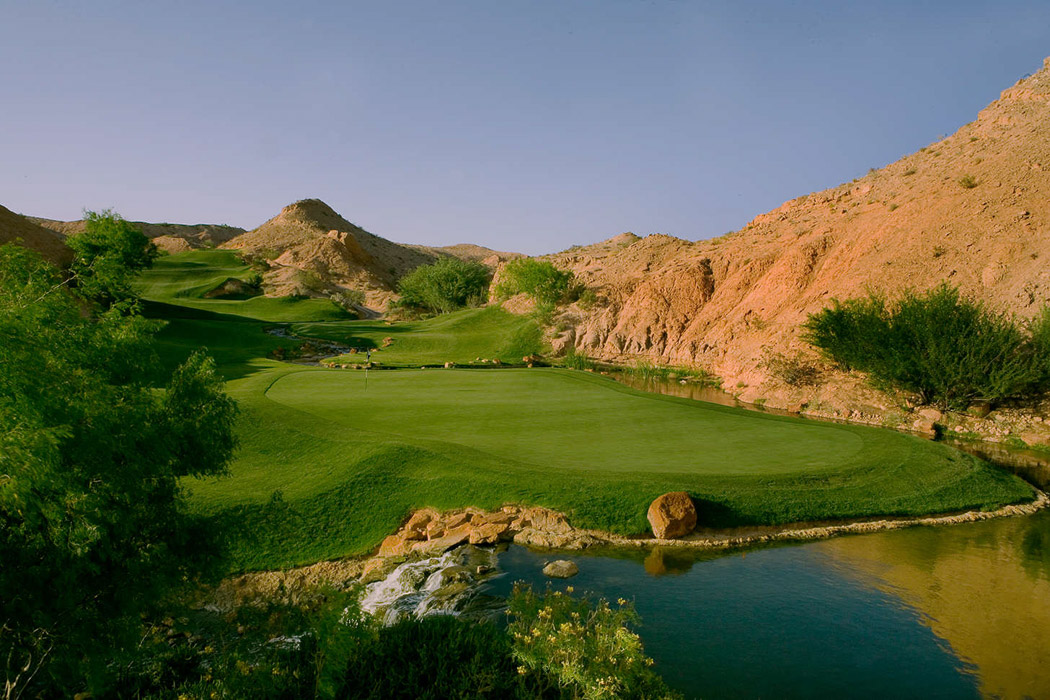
[
  {"x": 972, "y": 209},
  {"x": 309, "y": 244}
]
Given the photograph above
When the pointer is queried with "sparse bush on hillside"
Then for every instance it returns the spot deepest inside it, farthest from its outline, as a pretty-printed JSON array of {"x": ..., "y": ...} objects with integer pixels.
[
  {"x": 444, "y": 286},
  {"x": 542, "y": 281},
  {"x": 349, "y": 299},
  {"x": 308, "y": 282},
  {"x": 795, "y": 370},
  {"x": 587, "y": 298},
  {"x": 940, "y": 346},
  {"x": 968, "y": 182}
]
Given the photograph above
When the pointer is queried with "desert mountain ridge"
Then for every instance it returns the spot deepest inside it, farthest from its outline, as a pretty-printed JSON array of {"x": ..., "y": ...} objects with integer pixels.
[
  {"x": 308, "y": 246},
  {"x": 972, "y": 209},
  {"x": 172, "y": 238}
]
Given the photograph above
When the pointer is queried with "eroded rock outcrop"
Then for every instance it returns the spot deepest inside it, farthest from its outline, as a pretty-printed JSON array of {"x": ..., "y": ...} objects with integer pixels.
[{"x": 972, "y": 209}]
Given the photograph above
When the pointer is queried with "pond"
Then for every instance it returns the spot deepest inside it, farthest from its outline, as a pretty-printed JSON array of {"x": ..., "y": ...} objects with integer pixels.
[{"x": 948, "y": 612}]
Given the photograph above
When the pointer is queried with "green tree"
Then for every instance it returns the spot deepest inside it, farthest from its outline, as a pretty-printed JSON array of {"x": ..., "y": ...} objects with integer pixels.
[
  {"x": 106, "y": 257},
  {"x": 93, "y": 524},
  {"x": 444, "y": 286}
]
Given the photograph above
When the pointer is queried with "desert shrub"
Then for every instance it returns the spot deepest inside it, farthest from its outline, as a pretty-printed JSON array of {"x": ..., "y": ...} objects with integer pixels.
[
  {"x": 795, "y": 370},
  {"x": 444, "y": 286},
  {"x": 587, "y": 298},
  {"x": 542, "y": 281},
  {"x": 940, "y": 346},
  {"x": 587, "y": 646},
  {"x": 349, "y": 299},
  {"x": 309, "y": 281},
  {"x": 968, "y": 182}
]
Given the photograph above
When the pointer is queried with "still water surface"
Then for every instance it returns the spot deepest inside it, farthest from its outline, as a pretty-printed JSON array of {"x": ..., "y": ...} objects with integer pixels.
[{"x": 947, "y": 612}]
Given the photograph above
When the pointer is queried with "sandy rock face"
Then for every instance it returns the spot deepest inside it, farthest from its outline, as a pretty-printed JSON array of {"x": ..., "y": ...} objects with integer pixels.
[
  {"x": 724, "y": 304},
  {"x": 672, "y": 515}
]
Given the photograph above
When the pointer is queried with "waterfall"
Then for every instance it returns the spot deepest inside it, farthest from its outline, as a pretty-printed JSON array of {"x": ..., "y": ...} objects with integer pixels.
[{"x": 439, "y": 585}]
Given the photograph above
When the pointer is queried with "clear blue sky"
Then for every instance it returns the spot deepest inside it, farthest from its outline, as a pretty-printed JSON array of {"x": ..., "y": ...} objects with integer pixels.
[{"x": 521, "y": 125}]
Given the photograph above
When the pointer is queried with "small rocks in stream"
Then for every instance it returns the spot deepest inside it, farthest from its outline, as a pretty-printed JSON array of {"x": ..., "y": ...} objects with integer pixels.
[{"x": 561, "y": 568}]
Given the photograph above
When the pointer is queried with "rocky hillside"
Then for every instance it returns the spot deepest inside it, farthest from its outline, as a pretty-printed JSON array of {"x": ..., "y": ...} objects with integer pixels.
[
  {"x": 310, "y": 248},
  {"x": 173, "y": 238},
  {"x": 972, "y": 209},
  {"x": 14, "y": 227}
]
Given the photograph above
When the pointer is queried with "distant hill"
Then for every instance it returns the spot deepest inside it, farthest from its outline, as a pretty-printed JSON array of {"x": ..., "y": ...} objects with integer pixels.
[
  {"x": 21, "y": 229},
  {"x": 309, "y": 247},
  {"x": 972, "y": 209},
  {"x": 173, "y": 238}
]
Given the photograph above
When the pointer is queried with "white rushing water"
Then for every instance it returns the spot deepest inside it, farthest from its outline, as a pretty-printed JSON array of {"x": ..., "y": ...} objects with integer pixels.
[{"x": 440, "y": 585}]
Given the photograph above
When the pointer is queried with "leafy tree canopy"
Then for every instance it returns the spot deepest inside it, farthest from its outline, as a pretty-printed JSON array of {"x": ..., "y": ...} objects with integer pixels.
[
  {"x": 106, "y": 257},
  {"x": 93, "y": 528}
]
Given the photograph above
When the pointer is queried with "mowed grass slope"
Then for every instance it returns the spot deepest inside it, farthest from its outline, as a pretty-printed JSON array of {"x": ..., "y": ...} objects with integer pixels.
[
  {"x": 182, "y": 279},
  {"x": 461, "y": 337},
  {"x": 331, "y": 461}
]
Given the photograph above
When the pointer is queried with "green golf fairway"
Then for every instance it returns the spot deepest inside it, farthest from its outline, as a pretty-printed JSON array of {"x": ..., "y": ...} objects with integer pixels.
[
  {"x": 331, "y": 461},
  {"x": 182, "y": 279},
  {"x": 571, "y": 421},
  {"x": 460, "y": 337}
]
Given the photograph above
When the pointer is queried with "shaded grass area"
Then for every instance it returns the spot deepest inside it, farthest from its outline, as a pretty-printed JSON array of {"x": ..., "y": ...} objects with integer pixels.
[
  {"x": 460, "y": 337},
  {"x": 182, "y": 279}
]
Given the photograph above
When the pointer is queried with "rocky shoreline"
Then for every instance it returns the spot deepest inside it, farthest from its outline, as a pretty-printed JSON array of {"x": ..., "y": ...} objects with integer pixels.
[{"x": 430, "y": 533}]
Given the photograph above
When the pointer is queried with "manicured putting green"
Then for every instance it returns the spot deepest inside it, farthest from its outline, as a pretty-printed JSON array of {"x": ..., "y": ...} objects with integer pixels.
[{"x": 569, "y": 420}]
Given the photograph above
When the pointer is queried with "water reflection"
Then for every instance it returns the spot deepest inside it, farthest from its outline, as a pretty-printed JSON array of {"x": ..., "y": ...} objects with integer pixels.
[
  {"x": 984, "y": 588},
  {"x": 665, "y": 561},
  {"x": 781, "y": 622}
]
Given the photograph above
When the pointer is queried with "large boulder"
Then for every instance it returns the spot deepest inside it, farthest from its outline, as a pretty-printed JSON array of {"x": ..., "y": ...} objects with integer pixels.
[
  {"x": 672, "y": 515},
  {"x": 561, "y": 569}
]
